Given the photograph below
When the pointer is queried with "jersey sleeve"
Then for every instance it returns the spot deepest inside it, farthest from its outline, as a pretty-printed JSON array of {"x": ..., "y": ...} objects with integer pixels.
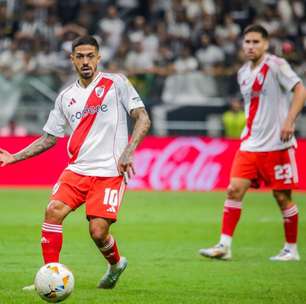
[
  {"x": 286, "y": 76},
  {"x": 56, "y": 123},
  {"x": 129, "y": 96}
]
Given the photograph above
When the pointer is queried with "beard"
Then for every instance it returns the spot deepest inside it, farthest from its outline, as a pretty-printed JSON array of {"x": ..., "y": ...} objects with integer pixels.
[{"x": 86, "y": 73}]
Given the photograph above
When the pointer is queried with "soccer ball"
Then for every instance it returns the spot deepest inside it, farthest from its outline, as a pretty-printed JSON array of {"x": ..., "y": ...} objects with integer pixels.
[{"x": 54, "y": 282}]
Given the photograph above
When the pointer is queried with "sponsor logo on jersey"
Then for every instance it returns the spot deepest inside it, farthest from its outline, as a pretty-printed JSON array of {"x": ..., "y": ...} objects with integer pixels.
[
  {"x": 252, "y": 94},
  {"x": 89, "y": 111},
  {"x": 99, "y": 91}
]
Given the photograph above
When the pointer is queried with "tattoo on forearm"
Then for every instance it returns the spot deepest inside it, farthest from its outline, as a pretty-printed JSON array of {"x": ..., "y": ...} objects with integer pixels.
[
  {"x": 42, "y": 144},
  {"x": 141, "y": 128}
]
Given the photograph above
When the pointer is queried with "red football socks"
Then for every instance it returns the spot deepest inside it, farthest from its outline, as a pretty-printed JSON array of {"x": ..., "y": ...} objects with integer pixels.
[
  {"x": 51, "y": 242},
  {"x": 110, "y": 250},
  {"x": 231, "y": 216},
  {"x": 290, "y": 216}
]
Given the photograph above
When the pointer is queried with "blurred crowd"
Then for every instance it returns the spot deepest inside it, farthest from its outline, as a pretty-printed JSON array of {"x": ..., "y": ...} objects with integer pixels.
[
  {"x": 145, "y": 39},
  {"x": 152, "y": 36}
]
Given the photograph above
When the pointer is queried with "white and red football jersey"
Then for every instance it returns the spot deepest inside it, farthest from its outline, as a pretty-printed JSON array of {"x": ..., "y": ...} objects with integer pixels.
[
  {"x": 97, "y": 116},
  {"x": 266, "y": 93}
]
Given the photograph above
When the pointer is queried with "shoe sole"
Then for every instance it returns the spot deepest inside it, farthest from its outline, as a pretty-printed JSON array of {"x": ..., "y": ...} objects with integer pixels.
[
  {"x": 216, "y": 257},
  {"x": 28, "y": 288},
  {"x": 280, "y": 260}
]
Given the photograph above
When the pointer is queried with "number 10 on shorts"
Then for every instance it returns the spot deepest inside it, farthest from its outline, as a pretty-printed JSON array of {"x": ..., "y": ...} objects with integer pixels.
[{"x": 111, "y": 198}]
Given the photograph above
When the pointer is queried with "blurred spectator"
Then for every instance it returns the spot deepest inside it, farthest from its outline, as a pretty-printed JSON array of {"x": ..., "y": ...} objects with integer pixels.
[
  {"x": 137, "y": 59},
  {"x": 150, "y": 41},
  {"x": 185, "y": 62},
  {"x": 12, "y": 61},
  {"x": 209, "y": 54},
  {"x": 28, "y": 25},
  {"x": 13, "y": 129},
  {"x": 147, "y": 40},
  {"x": 234, "y": 119},
  {"x": 111, "y": 27},
  {"x": 178, "y": 26},
  {"x": 68, "y": 10}
]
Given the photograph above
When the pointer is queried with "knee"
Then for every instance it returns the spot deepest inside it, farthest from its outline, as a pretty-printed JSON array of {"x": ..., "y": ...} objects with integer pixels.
[
  {"x": 233, "y": 192},
  {"x": 283, "y": 199},
  {"x": 98, "y": 233},
  {"x": 54, "y": 213}
]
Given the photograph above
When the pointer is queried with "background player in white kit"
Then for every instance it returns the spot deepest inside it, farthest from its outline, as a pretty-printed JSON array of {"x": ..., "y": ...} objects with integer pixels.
[
  {"x": 267, "y": 149},
  {"x": 95, "y": 108}
]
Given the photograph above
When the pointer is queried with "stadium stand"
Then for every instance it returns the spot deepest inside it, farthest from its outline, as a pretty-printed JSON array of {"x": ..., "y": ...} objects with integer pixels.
[{"x": 182, "y": 55}]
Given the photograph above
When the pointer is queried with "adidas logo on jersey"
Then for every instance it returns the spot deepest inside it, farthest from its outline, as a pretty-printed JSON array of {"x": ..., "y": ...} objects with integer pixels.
[{"x": 71, "y": 102}]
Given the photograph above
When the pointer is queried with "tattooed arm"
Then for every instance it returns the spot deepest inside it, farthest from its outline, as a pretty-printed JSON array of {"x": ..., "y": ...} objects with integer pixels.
[
  {"x": 141, "y": 128},
  {"x": 43, "y": 143}
]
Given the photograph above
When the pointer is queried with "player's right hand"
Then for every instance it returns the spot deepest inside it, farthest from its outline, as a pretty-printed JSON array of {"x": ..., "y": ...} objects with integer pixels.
[
  {"x": 6, "y": 158},
  {"x": 287, "y": 130}
]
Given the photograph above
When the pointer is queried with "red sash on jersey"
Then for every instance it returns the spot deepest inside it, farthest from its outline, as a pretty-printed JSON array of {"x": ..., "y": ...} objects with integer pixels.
[
  {"x": 256, "y": 90},
  {"x": 96, "y": 98}
]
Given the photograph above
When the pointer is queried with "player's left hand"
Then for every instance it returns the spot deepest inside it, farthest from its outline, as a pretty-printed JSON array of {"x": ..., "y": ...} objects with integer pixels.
[
  {"x": 125, "y": 164},
  {"x": 287, "y": 131}
]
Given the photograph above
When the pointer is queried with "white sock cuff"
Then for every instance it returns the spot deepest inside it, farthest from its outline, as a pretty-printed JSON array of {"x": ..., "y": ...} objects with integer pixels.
[
  {"x": 108, "y": 244},
  {"x": 52, "y": 228},
  {"x": 233, "y": 204},
  {"x": 226, "y": 240},
  {"x": 291, "y": 246},
  {"x": 291, "y": 211}
]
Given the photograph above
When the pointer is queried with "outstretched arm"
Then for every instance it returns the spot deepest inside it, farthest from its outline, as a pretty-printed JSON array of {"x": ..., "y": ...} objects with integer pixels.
[
  {"x": 298, "y": 100},
  {"x": 141, "y": 128},
  {"x": 43, "y": 143}
]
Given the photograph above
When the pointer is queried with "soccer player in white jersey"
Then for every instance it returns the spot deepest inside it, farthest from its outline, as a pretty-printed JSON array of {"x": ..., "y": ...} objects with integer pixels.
[
  {"x": 101, "y": 157},
  {"x": 267, "y": 150}
]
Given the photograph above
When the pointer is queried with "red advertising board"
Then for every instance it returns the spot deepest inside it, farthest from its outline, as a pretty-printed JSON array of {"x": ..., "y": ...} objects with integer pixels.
[{"x": 167, "y": 163}]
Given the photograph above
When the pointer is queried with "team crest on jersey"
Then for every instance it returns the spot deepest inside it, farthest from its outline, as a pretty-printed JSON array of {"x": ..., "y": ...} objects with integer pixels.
[
  {"x": 99, "y": 91},
  {"x": 260, "y": 78}
]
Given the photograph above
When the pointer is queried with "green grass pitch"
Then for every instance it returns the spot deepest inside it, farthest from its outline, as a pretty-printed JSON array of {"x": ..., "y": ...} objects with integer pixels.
[{"x": 160, "y": 234}]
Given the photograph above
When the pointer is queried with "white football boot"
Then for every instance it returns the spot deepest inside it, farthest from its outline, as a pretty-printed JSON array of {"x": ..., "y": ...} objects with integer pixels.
[
  {"x": 29, "y": 288},
  {"x": 112, "y": 274},
  {"x": 286, "y": 255},
  {"x": 220, "y": 251}
]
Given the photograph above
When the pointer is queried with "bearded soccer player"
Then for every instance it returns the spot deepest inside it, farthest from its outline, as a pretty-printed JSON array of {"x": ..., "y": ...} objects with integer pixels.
[
  {"x": 101, "y": 157},
  {"x": 267, "y": 150}
]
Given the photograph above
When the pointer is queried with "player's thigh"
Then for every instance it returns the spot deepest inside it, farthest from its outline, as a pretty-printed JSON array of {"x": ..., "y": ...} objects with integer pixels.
[
  {"x": 71, "y": 189},
  {"x": 244, "y": 166},
  {"x": 105, "y": 197},
  {"x": 56, "y": 211}
]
